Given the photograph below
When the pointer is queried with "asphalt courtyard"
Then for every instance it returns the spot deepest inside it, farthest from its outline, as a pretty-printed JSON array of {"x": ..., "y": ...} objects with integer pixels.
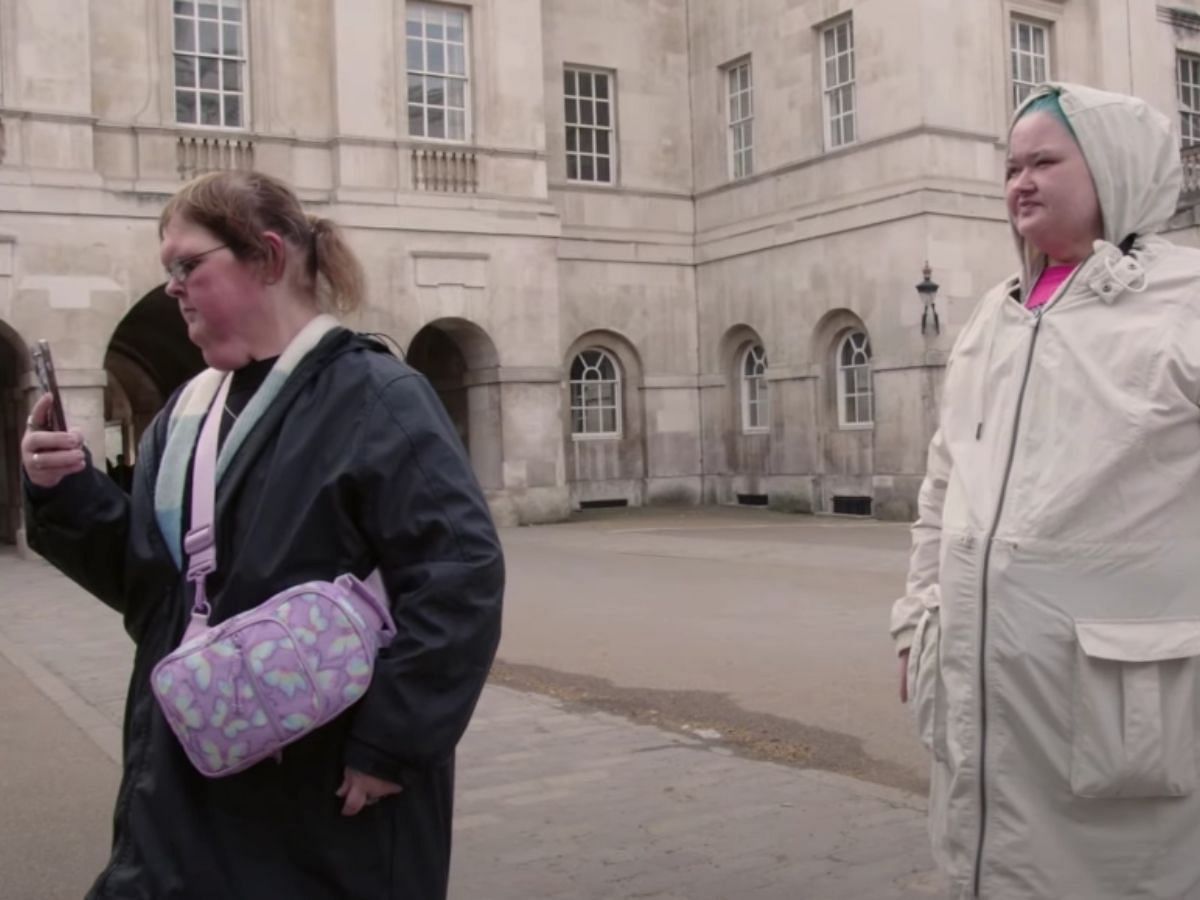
[{"x": 771, "y": 628}]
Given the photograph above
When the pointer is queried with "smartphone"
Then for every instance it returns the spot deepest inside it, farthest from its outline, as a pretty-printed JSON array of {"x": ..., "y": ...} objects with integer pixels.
[{"x": 43, "y": 366}]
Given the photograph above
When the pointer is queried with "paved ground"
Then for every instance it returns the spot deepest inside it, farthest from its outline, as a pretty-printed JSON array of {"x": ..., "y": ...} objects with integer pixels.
[
  {"x": 556, "y": 800},
  {"x": 583, "y": 805},
  {"x": 56, "y": 789},
  {"x": 749, "y": 621}
]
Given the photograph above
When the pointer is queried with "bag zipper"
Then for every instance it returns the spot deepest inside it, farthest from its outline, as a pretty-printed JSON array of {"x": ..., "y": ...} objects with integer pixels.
[{"x": 248, "y": 668}]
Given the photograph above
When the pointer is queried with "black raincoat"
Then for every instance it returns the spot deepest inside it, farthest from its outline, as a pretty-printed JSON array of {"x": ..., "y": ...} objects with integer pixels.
[{"x": 355, "y": 464}]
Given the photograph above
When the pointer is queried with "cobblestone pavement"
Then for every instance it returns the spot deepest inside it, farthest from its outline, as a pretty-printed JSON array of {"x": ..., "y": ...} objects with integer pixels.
[{"x": 553, "y": 801}]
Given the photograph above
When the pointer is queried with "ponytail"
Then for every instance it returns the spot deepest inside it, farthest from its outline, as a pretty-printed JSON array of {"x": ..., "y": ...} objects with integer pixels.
[{"x": 331, "y": 257}]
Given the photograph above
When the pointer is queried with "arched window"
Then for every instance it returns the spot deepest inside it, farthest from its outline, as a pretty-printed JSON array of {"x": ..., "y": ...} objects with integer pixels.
[
  {"x": 595, "y": 395},
  {"x": 856, "y": 399},
  {"x": 754, "y": 389}
]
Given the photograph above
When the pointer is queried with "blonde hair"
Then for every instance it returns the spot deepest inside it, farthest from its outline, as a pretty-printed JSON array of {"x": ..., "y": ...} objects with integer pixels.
[{"x": 238, "y": 207}]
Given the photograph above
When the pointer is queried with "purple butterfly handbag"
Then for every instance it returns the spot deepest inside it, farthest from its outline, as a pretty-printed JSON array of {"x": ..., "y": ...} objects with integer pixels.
[{"x": 239, "y": 692}]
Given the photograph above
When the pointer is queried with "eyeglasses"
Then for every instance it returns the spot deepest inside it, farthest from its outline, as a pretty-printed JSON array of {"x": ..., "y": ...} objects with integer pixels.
[{"x": 180, "y": 269}]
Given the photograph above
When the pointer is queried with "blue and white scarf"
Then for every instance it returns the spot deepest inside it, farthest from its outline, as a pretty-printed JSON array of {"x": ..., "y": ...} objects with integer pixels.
[{"x": 183, "y": 428}]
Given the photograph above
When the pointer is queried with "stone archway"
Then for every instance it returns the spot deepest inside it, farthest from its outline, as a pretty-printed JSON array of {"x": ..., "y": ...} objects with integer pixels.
[
  {"x": 461, "y": 363},
  {"x": 14, "y": 364},
  {"x": 148, "y": 357}
]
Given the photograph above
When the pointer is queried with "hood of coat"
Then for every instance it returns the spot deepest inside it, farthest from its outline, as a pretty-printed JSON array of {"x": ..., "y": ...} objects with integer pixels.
[{"x": 1133, "y": 156}]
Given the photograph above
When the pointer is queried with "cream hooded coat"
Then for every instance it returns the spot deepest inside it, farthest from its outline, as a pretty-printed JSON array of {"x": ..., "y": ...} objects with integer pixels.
[{"x": 1053, "y": 598}]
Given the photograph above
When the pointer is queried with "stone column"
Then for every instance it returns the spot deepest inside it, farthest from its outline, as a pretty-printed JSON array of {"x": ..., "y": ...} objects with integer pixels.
[
  {"x": 50, "y": 76},
  {"x": 485, "y": 425},
  {"x": 533, "y": 467},
  {"x": 714, "y": 428},
  {"x": 794, "y": 430},
  {"x": 1111, "y": 23},
  {"x": 672, "y": 413},
  {"x": 367, "y": 60}
]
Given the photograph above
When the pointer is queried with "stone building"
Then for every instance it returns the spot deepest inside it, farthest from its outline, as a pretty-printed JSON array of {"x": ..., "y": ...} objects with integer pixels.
[{"x": 647, "y": 252}]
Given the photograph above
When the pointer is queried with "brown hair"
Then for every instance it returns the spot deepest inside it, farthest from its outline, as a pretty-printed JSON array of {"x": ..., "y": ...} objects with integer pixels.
[{"x": 238, "y": 207}]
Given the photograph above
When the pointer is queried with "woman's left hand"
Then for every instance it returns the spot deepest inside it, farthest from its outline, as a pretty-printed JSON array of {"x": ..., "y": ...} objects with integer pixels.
[
  {"x": 359, "y": 790},
  {"x": 50, "y": 456}
]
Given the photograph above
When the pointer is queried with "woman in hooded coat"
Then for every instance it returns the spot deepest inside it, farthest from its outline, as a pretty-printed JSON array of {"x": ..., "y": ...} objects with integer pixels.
[
  {"x": 335, "y": 458},
  {"x": 1050, "y": 632}
]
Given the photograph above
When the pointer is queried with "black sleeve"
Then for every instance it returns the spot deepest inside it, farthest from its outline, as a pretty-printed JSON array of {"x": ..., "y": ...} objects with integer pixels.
[
  {"x": 82, "y": 527},
  {"x": 428, "y": 523}
]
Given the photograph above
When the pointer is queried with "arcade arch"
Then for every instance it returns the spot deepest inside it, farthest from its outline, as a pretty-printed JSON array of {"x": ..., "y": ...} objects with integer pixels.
[{"x": 460, "y": 361}]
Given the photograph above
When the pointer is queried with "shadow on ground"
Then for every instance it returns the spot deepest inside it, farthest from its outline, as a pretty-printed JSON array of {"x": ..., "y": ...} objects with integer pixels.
[{"x": 714, "y": 717}]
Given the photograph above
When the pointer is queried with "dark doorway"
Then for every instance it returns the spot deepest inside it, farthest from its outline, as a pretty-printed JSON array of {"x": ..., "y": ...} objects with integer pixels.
[
  {"x": 148, "y": 358},
  {"x": 435, "y": 355},
  {"x": 460, "y": 361},
  {"x": 14, "y": 363}
]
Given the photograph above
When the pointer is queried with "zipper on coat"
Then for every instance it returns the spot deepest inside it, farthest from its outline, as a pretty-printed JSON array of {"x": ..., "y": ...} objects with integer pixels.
[
  {"x": 983, "y": 603},
  {"x": 987, "y": 561}
]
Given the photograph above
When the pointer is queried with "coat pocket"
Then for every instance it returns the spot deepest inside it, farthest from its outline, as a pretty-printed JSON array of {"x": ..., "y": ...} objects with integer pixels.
[
  {"x": 1134, "y": 729},
  {"x": 925, "y": 696}
]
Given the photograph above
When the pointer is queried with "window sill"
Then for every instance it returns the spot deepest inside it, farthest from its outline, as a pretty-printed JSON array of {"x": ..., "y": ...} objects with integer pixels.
[
  {"x": 599, "y": 185},
  {"x": 762, "y": 430},
  {"x": 851, "y": 426},
  {"x": 213, "y": 129},
  {"x": 418, "y": 139},
  {"x": 585, "y": 438}
]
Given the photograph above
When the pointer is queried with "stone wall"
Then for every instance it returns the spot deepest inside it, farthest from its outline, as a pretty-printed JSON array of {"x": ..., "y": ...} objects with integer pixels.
[{"x": 484, "y": 254}]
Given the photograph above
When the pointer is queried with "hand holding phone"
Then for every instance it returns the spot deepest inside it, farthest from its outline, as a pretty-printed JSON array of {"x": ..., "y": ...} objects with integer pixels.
[
  {"x": 50, "y": 456},
  {"x": 49, "y": 453},
  {"x": 43, "y": 367}
]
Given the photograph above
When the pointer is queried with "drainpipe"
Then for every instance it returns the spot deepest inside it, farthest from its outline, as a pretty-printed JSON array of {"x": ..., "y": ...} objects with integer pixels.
[{"x": 695, "y": 269}]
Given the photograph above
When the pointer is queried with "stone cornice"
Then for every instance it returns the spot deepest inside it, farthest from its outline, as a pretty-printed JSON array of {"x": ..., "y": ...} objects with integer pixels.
[
  {"x": 620, "y": 190},
  {"x": 797, "y": 165},
  {"x": 1180, "y": 17},
  {"x": 48, "y": 115},
  {"x": 291, "y": 140},
  {"x": 513, "y": 375}
]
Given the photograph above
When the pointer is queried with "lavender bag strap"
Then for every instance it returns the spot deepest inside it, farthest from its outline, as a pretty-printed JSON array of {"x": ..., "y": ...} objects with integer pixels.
[{"x": 200, "y": 543}]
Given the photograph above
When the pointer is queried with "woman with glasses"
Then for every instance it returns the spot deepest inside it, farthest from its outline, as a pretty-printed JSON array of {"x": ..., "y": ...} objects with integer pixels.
[{"x": 335, "y": 457}]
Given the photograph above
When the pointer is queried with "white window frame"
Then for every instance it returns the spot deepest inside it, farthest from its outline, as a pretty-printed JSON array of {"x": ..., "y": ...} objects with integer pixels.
[
  {"x": 419, "y": 17},
  {"x": 581, "y": 403},
  {"x": 194, "y": 55},
  {"x": 1028, "y": 60},
  {"x": 756, "y": 392},
  {"x": 859, "y": 344},
  {"x": 739, "y": 113},
  {"x": 1187, "y": 90},
  {"x": 575, "y": 128},
  {"x": 838, "y": 82}
]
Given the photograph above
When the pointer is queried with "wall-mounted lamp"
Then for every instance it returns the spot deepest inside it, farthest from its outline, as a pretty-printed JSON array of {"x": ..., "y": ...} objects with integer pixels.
[{"x": 927, "y": 290}]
